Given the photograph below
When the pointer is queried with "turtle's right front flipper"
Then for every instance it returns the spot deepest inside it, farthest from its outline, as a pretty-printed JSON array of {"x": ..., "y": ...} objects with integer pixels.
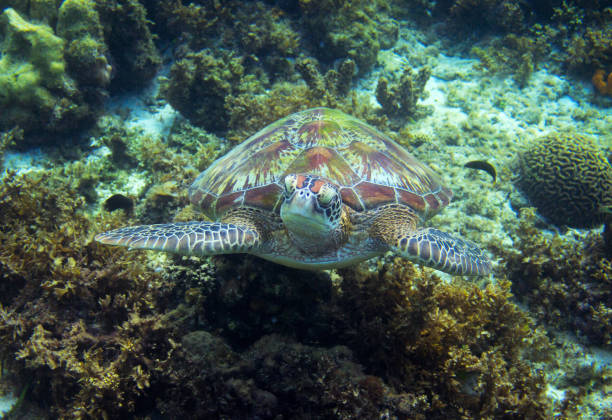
[{"x": 193, "y": 238}]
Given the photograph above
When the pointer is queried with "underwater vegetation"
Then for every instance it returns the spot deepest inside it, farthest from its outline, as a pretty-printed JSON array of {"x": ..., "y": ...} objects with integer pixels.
[
  {"x": 104, "y": 335},
  {"x": 567, "y": 284}
]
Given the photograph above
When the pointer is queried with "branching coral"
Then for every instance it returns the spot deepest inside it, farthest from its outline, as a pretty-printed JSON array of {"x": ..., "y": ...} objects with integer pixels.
[
  {"x": 400, "y": 99},
  {"x": 331, "y": 87}
]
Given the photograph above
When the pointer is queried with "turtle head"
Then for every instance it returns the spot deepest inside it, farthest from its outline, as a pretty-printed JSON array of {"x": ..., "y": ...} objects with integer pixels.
[{"x": 312, "y": 211}]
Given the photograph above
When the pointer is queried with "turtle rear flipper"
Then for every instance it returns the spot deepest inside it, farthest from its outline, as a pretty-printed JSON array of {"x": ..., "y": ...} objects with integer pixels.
[
  {"x": 193, "y": 238},
  {"x": 445, "y": 252}
]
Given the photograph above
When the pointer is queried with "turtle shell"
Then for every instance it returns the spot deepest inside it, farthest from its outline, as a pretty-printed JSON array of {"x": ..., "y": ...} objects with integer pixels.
[{"x": 369, "y": 168}]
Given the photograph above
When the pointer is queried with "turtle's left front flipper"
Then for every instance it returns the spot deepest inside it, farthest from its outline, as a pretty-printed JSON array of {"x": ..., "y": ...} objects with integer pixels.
[
  {"x": 193, "y": 238},
  {"x": 443, "y": 251}
]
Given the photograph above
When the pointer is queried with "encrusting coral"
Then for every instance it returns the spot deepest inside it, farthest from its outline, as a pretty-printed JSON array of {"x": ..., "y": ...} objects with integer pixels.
[{"x": 567, "y": 178}]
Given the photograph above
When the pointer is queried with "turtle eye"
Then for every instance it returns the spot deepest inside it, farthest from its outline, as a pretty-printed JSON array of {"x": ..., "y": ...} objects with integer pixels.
[
  {"x": 327, "y": 193},
  {"x": 290, "y": 185}
]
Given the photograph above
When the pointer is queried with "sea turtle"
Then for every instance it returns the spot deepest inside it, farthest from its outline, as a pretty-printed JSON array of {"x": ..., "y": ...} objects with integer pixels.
[{"x": 315, "y": 190}]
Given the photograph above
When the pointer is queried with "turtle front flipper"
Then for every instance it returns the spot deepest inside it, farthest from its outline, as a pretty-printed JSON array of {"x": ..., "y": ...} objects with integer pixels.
[
  {"x": 443, "y": 251},
  {"x": 193, "y": 238}
]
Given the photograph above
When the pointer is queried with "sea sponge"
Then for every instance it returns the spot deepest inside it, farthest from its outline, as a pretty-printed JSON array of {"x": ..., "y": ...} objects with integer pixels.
[
  {"x": 567, "y": 178},
  {"x": 601, "y": 83},
  {"x": 35, "y": 91}
]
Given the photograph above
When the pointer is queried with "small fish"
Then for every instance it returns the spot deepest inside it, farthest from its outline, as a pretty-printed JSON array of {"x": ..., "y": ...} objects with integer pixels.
[{"x": 483, "y": 166}]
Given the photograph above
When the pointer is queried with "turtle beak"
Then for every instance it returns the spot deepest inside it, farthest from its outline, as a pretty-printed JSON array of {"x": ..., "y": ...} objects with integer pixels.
[{"x": 301, "y": 215}]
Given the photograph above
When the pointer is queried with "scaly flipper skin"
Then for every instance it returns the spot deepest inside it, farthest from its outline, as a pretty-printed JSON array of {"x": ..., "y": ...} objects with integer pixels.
[
  {"x": 193, "y": 238},
  {"x": 443, "y": 251},
  {"x": 395, "y": 226}
]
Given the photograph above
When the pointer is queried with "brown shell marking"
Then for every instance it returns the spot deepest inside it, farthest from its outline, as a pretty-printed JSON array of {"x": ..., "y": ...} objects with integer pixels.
[{"x": 368, "y": 167}]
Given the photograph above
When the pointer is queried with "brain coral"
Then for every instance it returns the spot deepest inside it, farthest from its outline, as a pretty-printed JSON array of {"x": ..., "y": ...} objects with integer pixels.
[{"x": 567, "y": 178}]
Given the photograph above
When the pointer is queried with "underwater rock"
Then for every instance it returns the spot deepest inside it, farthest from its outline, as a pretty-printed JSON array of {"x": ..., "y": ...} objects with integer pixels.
[
  {"x": 118, "y": 201},
  {"x": 130, "y": 42},
  {"x": 199, "y": 84},
  {"x": 567, "y": 178},
  {"x": 355, "y": 30}
]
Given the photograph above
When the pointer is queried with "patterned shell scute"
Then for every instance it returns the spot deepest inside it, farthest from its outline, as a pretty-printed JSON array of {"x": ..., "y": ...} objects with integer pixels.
[{"x": 369, "y": 168}]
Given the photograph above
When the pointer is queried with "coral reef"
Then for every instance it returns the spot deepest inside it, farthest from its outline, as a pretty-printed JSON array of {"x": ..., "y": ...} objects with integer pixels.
[
  {"x": 422, "y": 348},
  {"x": 399, "y": 99},
  {"x": 567, "y": 178},
  {"x": 566, "y": 283},
  {"x": 104, "y": 335}
]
